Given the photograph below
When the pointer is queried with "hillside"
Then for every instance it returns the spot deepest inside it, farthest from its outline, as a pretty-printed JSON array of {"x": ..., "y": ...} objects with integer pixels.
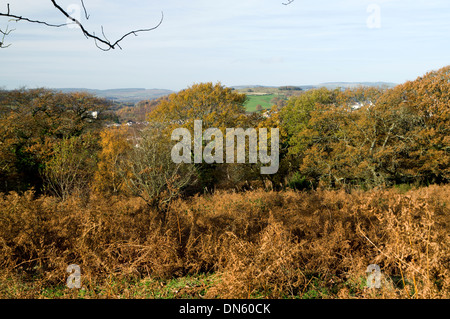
[
  {"x": 135, "y": 95},
  {"x": 267, "y": 96},
  {"x": 275, "y": 89},
  {"x": 125, "y": 95},
  {"x": 334, "y": 85},
  {"x": 133, "y": 103}
]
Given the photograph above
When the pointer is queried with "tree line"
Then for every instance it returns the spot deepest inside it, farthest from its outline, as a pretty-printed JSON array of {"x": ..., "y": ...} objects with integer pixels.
[{"x": 363, "y": 137}]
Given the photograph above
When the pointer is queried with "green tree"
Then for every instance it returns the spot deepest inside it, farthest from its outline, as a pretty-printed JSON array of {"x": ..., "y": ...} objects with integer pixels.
[
  {"x": 371, "y": 136},
  {"x": 32, "y": 122},
  {"x": 324, "y": 132},
  {"x": 217, "y": 106},
  {"x": 425, "y": 130},
  {"x": 214, "y": 104},
  {"x": 71, "y": 167},
  {"x": 295, "y": 116}
]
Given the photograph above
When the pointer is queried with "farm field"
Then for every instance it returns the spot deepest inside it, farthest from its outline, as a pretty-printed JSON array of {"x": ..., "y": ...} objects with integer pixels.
[{"x": 263, "y": 100}]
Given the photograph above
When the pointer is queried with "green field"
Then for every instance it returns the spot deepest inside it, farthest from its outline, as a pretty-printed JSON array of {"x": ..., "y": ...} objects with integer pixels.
[{"x": 263, "y": 100}]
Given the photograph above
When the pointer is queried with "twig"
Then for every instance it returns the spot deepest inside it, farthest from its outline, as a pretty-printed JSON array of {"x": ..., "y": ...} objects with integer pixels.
[
  {"x": 5, "y": 33},
  {"x": 29, "y": 261},
  {"x": 85, "y": 12},
  {"x": 18, "y": 18},
  {"x": 395, "y": 256},
  {"x": 98, "y": 41}
]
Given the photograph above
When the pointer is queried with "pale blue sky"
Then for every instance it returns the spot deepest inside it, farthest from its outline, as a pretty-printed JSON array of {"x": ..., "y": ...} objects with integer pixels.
[{"x": 235, "y": 42}]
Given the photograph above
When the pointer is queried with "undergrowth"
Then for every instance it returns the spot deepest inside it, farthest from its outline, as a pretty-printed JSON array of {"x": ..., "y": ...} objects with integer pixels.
[{"x": 256, "y": 244}]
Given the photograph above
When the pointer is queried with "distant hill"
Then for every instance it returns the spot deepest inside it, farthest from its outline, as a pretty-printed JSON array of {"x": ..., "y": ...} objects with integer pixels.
[
  {"x": 334, "y": 85},
  {"x": 330, "y": 85},
  {"x": 126, "y": 95},
  {"x": 240, "y": 87},
  {"x": 135, "y": 95}
]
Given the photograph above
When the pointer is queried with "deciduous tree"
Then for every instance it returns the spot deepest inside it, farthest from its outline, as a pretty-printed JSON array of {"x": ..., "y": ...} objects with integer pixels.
[
  {"x": 114, "y": 150},
  {"x": 32, "y": 122},
  {"x": 71, "y": 167},
  {"x": 149, "y": 171}
]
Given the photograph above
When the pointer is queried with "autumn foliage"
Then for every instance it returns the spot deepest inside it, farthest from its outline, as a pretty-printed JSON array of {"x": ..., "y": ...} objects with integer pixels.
[
  {"x": 371, "y": 137},
  {"x": 363, "y": 179},
  {"x": 258, "y": 243}
]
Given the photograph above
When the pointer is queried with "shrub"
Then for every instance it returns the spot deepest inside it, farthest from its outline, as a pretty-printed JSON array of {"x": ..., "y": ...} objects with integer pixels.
[{"x": 257, "y": 243}]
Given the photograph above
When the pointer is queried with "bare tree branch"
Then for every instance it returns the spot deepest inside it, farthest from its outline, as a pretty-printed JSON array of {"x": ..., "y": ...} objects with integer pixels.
[
  {"x": 102, "y": 43},
  {"x": 19, "y": 18},
  {"x": 85, "y": 12},
  {"x": 5, "y": 33}
]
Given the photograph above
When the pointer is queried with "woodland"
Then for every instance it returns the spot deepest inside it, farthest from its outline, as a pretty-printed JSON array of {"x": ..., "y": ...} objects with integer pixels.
[{"x": 363, "y": 179}]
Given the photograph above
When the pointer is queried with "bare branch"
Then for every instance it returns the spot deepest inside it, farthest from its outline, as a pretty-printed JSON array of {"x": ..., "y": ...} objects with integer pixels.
[
  {"x": 101, "y": 43},
  {"x": 5, "y": 33},
  {"x": 3, "y": 46},
  {"x": 19, "y": 18},
  {"x": 104, "y": 41},
  {"x": 137, "y": 31},
  {"x": 85, "y": 12},
  {"x": 103, "y": 32}
]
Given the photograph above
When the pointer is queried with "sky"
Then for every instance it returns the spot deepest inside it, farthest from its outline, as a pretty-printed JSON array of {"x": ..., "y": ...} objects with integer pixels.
[{"x": 235, "y": 42}]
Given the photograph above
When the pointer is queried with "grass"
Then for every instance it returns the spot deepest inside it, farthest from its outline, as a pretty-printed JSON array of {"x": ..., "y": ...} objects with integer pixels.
[
  {"x": 187, "y": 287},
  {"x": 263, "y": 100},
  {"x": 200, "y": 286}
]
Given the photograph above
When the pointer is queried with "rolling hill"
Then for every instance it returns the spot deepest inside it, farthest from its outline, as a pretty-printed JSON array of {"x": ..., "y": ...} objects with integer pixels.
[{"x": 126, "y": 95}]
